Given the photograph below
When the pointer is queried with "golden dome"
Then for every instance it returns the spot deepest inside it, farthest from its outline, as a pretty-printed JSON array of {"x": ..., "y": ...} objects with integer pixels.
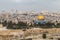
[{"x": 41, "y": 17}]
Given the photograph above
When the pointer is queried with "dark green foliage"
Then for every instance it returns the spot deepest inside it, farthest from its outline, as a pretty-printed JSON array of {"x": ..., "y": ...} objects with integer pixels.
[
  {"x": 58, "y": 25},
  {"x": 9, "y": 25},
  {"x": 4, "y": 23},
  {"x": 22, "y": 25}
]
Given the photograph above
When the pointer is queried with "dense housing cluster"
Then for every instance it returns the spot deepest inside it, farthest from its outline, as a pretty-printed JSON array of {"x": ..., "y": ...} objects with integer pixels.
[{"x": 29, "y": 19}]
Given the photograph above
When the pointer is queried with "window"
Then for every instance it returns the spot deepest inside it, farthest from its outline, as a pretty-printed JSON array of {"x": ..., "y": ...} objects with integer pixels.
[
  {"x": 44, "y": 36},
  {"x": 29, "y": 39},
  {"x": 58, "y": 38}
]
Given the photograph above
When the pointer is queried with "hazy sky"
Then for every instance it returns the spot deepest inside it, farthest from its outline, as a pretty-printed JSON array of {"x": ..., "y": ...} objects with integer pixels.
[{"x": 39, "y": 5}]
